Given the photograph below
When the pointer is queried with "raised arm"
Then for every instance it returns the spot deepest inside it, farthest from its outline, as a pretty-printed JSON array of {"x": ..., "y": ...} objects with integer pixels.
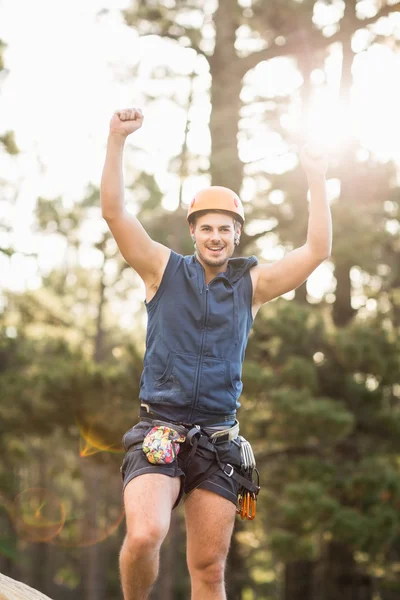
[
  {"x": 270, "y": 281},
  {"x": 147, "y": 257}
]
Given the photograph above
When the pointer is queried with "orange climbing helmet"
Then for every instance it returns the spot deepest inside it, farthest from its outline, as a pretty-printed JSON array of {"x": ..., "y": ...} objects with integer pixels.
[{"x": 217, "y": 197}]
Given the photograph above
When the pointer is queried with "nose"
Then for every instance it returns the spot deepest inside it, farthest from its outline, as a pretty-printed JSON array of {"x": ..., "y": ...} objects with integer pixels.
[{"x": 215, "y": 236}]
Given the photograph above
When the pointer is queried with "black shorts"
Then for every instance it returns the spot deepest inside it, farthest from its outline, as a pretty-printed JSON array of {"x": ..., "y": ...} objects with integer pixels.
[{"x": 201, "y": 472}]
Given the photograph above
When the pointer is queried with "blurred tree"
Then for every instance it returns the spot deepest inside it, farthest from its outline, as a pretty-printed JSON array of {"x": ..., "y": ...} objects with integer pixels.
[{"x": 328, "y": 447}]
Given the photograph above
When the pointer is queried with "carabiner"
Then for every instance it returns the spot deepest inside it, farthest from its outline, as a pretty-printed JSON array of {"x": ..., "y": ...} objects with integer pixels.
[{"x": 252, "y": 507}]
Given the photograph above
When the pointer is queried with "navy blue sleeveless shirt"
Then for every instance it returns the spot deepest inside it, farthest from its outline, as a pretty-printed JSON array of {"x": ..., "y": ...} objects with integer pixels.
[{"x": 196, "y": 340}]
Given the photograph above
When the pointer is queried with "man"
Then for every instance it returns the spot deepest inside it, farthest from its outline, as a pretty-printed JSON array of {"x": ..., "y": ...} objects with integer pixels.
[{"x": 200, "y": 310}]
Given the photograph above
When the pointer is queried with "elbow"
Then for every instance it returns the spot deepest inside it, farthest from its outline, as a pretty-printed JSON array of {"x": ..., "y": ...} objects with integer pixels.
[
  {"x": 109, "y": 210},
  {"x": 109, "y": 217},
  {"x": 320, "y": 252},
  {"x": 320, "y": 257},
  {"x": 325, "y": 256},
  {"x": 105, "y": 214}
]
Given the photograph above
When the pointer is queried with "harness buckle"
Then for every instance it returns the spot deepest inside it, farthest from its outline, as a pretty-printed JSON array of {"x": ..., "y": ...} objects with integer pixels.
[{"x": 231, "y": 472}]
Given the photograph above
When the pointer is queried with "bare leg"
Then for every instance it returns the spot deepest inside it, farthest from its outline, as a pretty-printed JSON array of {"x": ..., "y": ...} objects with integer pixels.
[
  {"x": 209, "y": 525},
  {"x": 148, "y": 501}
]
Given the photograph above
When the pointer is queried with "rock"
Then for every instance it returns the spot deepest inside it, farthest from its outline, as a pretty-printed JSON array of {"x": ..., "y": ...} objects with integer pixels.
[{"x": 15, "y": 590}]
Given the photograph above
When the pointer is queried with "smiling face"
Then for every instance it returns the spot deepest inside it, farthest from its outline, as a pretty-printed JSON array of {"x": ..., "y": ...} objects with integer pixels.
[{"x": 214, "y": 236}]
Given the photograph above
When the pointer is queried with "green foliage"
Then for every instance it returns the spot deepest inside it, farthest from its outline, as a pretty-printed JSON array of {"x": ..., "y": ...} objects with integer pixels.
[
  {"x": 288, "y": 546},
  {"x": 369, "y": 350},
  {"x": 302, "y": 417},
  {"x": 324, "y": 431}
]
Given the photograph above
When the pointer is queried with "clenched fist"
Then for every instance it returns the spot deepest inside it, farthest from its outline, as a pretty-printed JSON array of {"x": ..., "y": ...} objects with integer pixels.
[{"x": 126, "y": 121}]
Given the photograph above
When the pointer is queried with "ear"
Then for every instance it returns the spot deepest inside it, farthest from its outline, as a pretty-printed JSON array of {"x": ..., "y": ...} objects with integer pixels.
[
  {"x": 191, "y": 228},
  {"x": 238, "y": 231}
]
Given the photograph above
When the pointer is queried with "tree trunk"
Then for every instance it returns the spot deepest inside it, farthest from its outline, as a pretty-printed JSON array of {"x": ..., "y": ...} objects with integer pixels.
[
  {"x": 98, "y": 353},
  {"x": 342, "y": 309},
  {"x": 7, "y": 563},
  {"x": 41, "y": 567},
  {"x": 337, "y": 577},
  {"x": 298, "y": 580},
  {"x": 236, "y": 573},
  {"x": 301, "y": 293},
  {"x": 93, "y": 576},
  {"x": 386, "y": 593},
  {"x": 226, "y": 167},
  {"x": 184, "y": 167}
]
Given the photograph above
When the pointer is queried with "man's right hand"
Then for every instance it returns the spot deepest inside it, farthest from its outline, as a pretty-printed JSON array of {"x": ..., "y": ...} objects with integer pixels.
[{"x": 126, "y": 121}]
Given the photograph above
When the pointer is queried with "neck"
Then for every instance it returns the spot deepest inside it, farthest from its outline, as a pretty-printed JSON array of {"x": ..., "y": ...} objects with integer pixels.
[{"x": 211, "y": 271}]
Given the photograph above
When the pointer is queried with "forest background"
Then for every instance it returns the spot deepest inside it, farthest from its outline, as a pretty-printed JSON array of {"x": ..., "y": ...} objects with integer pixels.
[{"x": 230, "y": 92}]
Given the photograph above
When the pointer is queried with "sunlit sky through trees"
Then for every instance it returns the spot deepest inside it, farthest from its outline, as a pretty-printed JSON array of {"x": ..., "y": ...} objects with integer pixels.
[{"x": 70, "y": 64}]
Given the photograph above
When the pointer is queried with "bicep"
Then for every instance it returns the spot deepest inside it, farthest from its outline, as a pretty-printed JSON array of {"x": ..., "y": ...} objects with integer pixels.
[
  {"x": 147, "y": 257},
  {"x": 285, "y": 274}
]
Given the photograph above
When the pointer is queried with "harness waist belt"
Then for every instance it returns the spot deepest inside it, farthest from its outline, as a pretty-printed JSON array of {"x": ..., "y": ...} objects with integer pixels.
[
  {"x": 225, "y": 435},
  {"x": 188, "y": 431},
  {"x": 145, "y": 412}
]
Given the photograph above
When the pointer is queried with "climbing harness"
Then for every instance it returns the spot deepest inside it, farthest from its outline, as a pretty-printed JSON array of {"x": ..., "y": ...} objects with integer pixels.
[{"x": 161, "y": 445}]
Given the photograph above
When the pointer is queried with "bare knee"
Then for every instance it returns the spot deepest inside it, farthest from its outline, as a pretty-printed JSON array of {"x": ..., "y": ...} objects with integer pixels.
[
  {"x": 209, "y": 569},
  {"x": 142, "y": 542}
]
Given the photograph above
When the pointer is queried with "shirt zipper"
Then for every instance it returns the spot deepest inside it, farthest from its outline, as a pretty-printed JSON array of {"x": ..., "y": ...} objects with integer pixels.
[{"x": 200, "y": 361}]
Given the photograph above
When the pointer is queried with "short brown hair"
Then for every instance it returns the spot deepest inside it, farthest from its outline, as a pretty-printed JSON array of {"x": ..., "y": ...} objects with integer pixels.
[{"x": 201, "y": 213}]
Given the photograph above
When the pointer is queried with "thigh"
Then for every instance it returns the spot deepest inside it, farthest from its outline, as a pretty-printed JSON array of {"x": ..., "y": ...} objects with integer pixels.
[
  {"x": 135, "y": 465},
  {"x": 210, "y": 519},
  {"x": 148, "y": 501}
]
